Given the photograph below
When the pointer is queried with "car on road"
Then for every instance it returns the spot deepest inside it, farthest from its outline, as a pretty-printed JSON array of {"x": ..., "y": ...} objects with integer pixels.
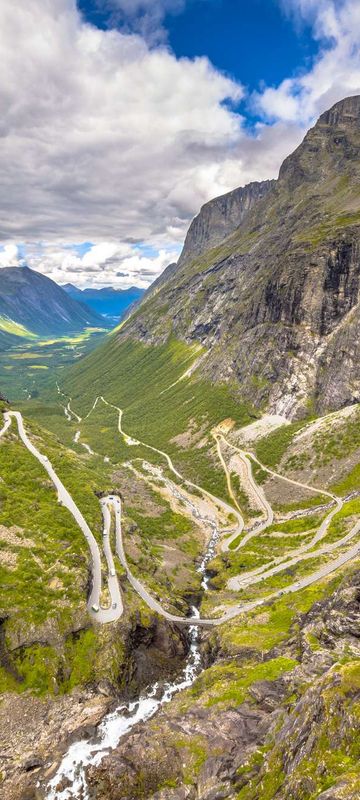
[
  {"x": 112, "y": 573},
  {"x": 114, "y": 605},
  {"x": 95, "y": 607}
]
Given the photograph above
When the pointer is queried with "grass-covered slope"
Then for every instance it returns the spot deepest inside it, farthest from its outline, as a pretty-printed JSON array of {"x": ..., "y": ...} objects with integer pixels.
[
  {"x": 11, "y": 332},
  {"x": 44, "y": 569},
  {"x": 37, "y": 305},
  {"x": 274, "y": 718},
  {"x": 276, "y": 302},
  {"x": 163, "y": 406}
]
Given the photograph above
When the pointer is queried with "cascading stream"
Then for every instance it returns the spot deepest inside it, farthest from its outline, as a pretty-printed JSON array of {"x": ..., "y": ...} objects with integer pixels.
[{"x": 72, "y": 771}]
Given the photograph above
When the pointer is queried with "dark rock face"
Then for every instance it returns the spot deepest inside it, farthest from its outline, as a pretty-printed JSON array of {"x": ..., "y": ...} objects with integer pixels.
[
  {"x": 154, "y": 652},
  {"x": 268, "y": 280},
  {"x": 220, "y": 217},
  {"x": 39, "y": 730},
  {"x": 294, "y": 735}
]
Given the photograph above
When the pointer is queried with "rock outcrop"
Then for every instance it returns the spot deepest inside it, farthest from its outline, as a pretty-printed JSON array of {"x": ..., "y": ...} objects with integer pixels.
[
  {"x": 218, "y": 218},
  {"x": 292, "y": 738},
  {"x": 276, "y": 302}
]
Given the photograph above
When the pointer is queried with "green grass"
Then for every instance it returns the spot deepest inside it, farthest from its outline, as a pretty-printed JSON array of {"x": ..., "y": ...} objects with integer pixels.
[
  {"x": 15, "y": 328},
  {"x": 226, "y": 685},
  {"x": 139, "y": 379},
  {"x": 20, "y": 353},
  {"x": 28, "y": 500},
  {"x": 265, "y": 628},
  {"x": 338, "y": 442},
  {"x": 271, "y": 449},
  {"x": 335, "y": 747},
  {"x": 349, "y": 483},
  {"x": 43, "y": 587}
]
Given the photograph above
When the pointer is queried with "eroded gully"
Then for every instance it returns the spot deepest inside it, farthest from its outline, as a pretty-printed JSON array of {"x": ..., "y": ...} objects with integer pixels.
[{"x": 69, "y": 782}]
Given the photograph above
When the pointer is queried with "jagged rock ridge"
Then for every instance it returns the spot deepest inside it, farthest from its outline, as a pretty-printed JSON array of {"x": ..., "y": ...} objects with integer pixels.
[
  {"x": 276, "y": 302},
  {"x": 220, "y": 217}
]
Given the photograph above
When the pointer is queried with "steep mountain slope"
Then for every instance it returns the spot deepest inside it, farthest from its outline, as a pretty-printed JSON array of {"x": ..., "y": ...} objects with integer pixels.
[
  {"x": 275, "y": 304},
  {"x": 220, "y": 217},
  {"x": 156, "y": 413},
  {"x": 31, "y": 304},
  {"x": 109, "y": 302},
  {"x": 258, "y": 724}
]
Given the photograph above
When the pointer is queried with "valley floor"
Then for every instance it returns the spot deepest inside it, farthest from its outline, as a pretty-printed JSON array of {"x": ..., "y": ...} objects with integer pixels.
[{"x": 274, "y": 540}]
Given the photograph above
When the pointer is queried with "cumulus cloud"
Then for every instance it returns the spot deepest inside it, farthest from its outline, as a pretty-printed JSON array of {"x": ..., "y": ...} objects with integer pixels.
[
  {"x": 9, "y": 256},
  {"x": 105, "y": 264},
  {"x": 336, "y": 70},
  {"x": 110, "y": 139},
  {"x": 99, "y": 132}
]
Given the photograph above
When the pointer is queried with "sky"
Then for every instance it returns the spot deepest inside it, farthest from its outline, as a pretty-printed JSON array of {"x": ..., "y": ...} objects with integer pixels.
[{"x": 120, "y": 118}]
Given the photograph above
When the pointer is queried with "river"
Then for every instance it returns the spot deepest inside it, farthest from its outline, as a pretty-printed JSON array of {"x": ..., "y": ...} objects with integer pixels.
[{"x": 71, "y": 773}]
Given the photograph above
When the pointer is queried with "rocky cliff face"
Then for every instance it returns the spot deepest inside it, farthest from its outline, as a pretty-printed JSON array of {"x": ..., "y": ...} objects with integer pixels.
[
  {"x": 220, "y": 217},
  {"x": 275, "y": 303},
  {"x": 292, "y": 737}
]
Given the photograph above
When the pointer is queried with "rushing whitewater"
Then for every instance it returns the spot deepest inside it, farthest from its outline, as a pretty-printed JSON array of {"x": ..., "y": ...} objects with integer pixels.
[
  {"x": 115, "y": 724},
  {"x": 119, "y": 722}
]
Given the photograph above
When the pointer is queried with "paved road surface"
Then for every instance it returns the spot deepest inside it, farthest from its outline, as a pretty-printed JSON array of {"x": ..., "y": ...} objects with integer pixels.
[
  {"x": 259, "y": 493},
  {"x": 103, "y": 615},
  {"x": 112, "y": 505}
]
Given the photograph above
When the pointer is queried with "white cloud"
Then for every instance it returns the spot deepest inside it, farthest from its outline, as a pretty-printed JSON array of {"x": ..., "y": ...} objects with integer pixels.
[
  {"x": 335, "y": 72},
  {"x": 100, "y": 134},
  {"x": 105, "y": 264},
  {"x": 107, "y": 139},
  {"x": 9, "y": 256}
]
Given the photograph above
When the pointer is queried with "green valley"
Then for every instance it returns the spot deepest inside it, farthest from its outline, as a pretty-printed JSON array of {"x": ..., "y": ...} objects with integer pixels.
[{"x": 180, "y": 514}]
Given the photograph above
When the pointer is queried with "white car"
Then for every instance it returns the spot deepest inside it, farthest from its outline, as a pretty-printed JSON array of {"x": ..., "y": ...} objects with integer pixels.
[
  {"x": 112, "y": 573},
  {"x": 95, "y": 607}
]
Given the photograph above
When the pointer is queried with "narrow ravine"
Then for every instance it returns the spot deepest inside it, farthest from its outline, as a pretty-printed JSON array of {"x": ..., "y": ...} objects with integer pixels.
[{"x": 69, "y": 782}]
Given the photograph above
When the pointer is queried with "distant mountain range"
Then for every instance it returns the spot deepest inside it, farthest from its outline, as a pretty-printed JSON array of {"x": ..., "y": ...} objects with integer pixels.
[
  {"x": 110, "y": 303},
  {"x": 33, "y": 305}
]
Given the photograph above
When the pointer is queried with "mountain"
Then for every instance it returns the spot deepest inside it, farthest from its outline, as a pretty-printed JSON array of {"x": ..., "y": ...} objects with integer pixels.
[
  {"x": 275, "y": 303},
  {"x": 220, "y": 217},
  {"x": 252, "y": 518},
  {"x": 108, "y": 302},
  {"x": 33, "y": 305}
]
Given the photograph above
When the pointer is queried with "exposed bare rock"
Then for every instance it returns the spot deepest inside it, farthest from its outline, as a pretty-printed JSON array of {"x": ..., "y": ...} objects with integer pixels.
[
  {"x": 276, "y": 302},
  {"x": 295, "y": 735}
]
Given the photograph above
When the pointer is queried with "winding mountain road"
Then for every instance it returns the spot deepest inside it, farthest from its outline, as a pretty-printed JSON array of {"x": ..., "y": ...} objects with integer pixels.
[
  {"x": 111, "y": 510},
  {"x": 258, "y": 492},
  {"x": 104, "y": 614}
]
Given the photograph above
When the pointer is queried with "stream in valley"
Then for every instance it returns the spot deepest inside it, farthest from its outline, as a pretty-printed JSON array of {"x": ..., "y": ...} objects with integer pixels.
[{"x": 69, "y": 782}]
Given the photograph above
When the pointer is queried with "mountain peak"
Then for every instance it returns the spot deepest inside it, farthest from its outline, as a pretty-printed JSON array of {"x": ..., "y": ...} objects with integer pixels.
[
  {"x": 39, "y": 305},
  {"x": 220, "y": 217},
  {"x": 331, "y": 147},
  {"x": 344, "y": 112}
]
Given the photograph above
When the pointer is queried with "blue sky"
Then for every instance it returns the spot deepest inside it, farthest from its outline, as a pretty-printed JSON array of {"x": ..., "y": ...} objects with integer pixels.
[
  {"x": 133, "y": 113},
  {"x": 254, "y": 41}
]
